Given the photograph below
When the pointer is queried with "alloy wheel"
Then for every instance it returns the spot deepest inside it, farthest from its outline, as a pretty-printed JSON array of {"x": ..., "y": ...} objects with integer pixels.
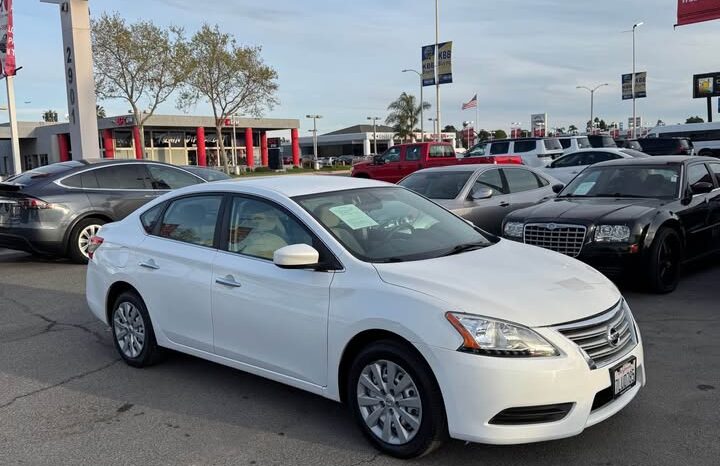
[
  {"x": 84, "y": 238},
  {"x": 389, "y": 402},
  {"x": 129, "y": 329}
]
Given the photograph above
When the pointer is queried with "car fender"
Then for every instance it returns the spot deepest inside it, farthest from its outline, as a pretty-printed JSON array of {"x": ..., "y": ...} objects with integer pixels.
[
  {"x": 79, "y": 218},
  {"x": 660, "y": 221}
]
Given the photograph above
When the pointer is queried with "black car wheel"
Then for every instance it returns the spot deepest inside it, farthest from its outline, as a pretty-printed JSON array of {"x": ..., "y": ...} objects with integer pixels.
[
  {"x": 80, "y": 239},
  {"x": 666, "y": 256},
  {"x": 132, "y": 331},
  {"x": 396, "y": 401}
]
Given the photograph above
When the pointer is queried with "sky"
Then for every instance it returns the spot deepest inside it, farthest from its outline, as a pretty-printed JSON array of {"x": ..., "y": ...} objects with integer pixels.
[{"x": 343, "y": 59}]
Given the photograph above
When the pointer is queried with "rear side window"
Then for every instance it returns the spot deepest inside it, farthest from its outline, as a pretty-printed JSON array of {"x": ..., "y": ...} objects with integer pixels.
[
  {"x": 438, "y": 151},
  {"x": 565, "y": 143},
  {"x": 126, "y": 176},
  {"x": 524, "y": 146},
  {"x": 82, "y": 180},
  {"x": 170, "y": 178},
  {"x": 520, "y": 180},
  {"x": 553, "y": 144},
  {"x": 412, "y": 153},
  {"x": 192, "y": 220},
  {"x": 150, "y": 218},
  {"x": 498, "y": 148},
  {"x": 43, "y": 173},
  {"x": 583, "y": 143}
]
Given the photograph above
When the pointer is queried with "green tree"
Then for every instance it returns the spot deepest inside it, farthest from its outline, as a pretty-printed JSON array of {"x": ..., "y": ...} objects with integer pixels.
[
  {"x": 694, "y": 119},
  {"x": 100, "y": 111},
  {"x": 231, "y": 78},
  {"x": 483, "y": 135},
  {"x": 572, "y": 129},
  {"x": 405, "y": 115},
  {"x": 50, "y": 116},
  {"x": 140, "y": 63},
  {"x": 500, "y": 134},
  {"x": 450, "y": 129}
]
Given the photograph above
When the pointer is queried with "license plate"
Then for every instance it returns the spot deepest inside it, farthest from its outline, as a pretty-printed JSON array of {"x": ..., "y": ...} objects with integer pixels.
[{"x": 624, "y": 376}]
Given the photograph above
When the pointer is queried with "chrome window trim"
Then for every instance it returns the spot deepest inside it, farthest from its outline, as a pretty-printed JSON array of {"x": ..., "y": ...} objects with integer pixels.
[{"x": 144, "y": 163}]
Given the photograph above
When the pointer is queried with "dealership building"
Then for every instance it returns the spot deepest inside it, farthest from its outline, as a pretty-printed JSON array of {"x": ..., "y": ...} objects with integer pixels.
[{"x": 177, "y": 139}]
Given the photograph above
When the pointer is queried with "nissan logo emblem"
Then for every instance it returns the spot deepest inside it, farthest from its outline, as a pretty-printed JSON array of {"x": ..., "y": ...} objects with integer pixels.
[{"x": 613, "y": 336}]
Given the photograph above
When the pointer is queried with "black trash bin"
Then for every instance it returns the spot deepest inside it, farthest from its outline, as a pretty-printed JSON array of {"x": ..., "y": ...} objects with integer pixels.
[{"x": 275, "y": 161}]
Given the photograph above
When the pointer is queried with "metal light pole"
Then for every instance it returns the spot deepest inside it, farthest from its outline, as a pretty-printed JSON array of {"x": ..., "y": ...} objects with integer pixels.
[
  {"x": 437, "y": 76},
  {"x": 513, "y": 125},
  {"x": 634, "y": 132},
  {"x": 592, "y": 102},
  {"x": 374, "y": 120},
  {"x": 435, "y": 131},
  {"x": 422, "y": 104},
  {"x": 315, "y": 143}
]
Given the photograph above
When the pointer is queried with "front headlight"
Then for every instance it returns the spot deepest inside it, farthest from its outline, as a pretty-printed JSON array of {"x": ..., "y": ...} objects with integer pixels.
[
  {"x": 514, "y": 230},
  {"x": 612, "y": 233},
  {"x": 492, "y": 337}
]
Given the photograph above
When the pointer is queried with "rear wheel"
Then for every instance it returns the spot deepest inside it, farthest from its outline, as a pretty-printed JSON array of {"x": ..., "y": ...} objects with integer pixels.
[
  {"x": 666, "y": 256},
  {"x": 132, "y": 331},
  {"x": 396, "y": 401},
  {"x": 80, "y": 239}
]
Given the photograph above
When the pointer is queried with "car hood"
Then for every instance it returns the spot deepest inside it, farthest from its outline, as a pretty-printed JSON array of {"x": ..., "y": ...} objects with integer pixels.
[
  {"x": 509, "y": 281},
  {"x": 586, "y": 210},
  {"x": 361, "y": 165}
]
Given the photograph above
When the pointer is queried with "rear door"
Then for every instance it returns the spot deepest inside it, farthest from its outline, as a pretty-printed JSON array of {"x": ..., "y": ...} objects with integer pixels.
[
  {"x": 118, "y": 189},
  {"x": 524, "y": 186},
  {"x": 714, "y": 200}
]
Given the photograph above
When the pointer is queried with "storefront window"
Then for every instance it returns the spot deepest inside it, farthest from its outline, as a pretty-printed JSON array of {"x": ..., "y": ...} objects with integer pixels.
[
  {"x": 123, "y": 140},
  {"x": 168, "y": 139}
]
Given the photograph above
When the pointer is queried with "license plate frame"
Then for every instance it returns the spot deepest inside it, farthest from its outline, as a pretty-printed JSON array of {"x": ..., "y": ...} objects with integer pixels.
[{"x": 617, "y": 373}]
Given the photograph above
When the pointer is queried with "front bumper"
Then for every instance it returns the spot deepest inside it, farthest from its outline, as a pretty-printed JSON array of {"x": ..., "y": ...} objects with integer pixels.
[{"x": 477, "y": 388}]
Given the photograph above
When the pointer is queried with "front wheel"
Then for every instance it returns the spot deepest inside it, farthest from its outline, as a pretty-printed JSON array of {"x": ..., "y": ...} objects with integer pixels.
[
  {"x": 396, "y": 401},
  {"x": 665, "y": 260}
]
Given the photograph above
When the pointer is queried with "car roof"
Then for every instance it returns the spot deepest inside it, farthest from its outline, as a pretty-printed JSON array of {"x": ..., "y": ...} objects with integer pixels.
[{"x": 657, "y": 160}]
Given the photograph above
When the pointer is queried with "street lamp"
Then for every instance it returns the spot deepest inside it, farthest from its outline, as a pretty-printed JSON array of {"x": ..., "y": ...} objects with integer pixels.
[
  {"x": 513, "y": 126},
  {"x": 468, "y": 126},
  {"x": 592, "y": 102},
  {"x": 374, "y": 120},
  {"x": 422, "y": 104},
  {"x": 315, "y": 143},
  {"x": 634, "y": 117},
  {"x": 435, "y": 128}
]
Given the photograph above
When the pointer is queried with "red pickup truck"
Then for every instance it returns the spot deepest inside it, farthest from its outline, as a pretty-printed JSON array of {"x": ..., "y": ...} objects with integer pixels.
[{"x": 402, "y": 160}]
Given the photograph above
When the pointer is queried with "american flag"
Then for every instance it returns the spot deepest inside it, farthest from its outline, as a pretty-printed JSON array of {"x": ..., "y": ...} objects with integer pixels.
[{"x": 471, "y": 104}]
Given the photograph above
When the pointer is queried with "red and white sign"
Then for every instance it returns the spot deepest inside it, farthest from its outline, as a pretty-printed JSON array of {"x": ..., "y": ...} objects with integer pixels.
[
  {"x": 697, "y": 11},
  {"x": 7, "y": 39}
]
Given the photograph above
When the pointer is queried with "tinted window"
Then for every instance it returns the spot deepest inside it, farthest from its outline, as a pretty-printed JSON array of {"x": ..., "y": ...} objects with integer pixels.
[
  {"x": 634, "y": 153},
  {"x": 437, "y": 185},
  {"x": 441, "y": 151},
  {"x": 570, "y": 160},
  {"x": 498, "y": 148},
  {"x": 553, "y": 144},
  {"x": 392, "y": 155},
  {"x": 698, "y": 174},
  {"x": 598, "y": 157},
  {"x": 477, "y": 151},
  {"x": 524, "y": 146},
  {"x": 413, "y": 153},
  {"x": 126, "y": 176},
  {"x": 192, "y": 220},
  {"x": 43, "y": 173},
  {"x": 491, "y": 179},
  {"x": 583, "y": 143},
  {"x": 520, "y": 180},
  {"x": 715, "y": 168},
  {"x": 601, "y": 141},
  {"x": 150, "y": 218},
  {"x": 163, "y": 177},
  {"x": 258, "y": 229},
  {"x": 82, "y": 180},
  {"x": 565, "y": 143}
]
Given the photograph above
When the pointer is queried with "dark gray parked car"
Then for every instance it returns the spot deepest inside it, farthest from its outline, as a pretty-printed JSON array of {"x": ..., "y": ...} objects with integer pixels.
[
  {"x": 483, "y": 194},
  {"x": 56, "y": 209}
]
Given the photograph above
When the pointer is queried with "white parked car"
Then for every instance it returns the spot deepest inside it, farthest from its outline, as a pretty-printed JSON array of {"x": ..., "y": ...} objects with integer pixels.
[
  {"x": 574, "y": 143},
  {"x": 568, "y": 166},
  {"x": 535, "y": 152},
  {"x": 366, "y": 293}
]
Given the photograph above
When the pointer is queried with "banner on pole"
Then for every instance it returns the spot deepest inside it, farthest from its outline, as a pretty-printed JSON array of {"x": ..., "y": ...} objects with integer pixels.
[
  {"x": 7, "y": 39},
  {"x": 697, "y": 11},
  {"x": 445, "y": 63},
  {"x": 428, "y": 65},
  {"x": 640, "y": 86}
]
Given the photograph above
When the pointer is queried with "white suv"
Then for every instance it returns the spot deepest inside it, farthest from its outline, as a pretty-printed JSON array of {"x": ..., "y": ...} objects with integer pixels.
[
  {"x": 574, "y": 143},
  {"x": 535, "y": 152}
]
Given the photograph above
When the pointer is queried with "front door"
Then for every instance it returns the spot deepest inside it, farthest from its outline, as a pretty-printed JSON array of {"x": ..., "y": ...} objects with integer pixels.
[
  {"x": 391, "y": 168},
  {"x": 270, "y": 318},
  {"x": 488, "y": 214},
  {"x": 696, "y": 215}
]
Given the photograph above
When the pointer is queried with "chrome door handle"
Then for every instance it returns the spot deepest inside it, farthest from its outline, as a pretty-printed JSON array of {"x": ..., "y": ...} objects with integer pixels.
[
  {"x": 149, "y": 265},
  {"x": 228, "y": 281}
]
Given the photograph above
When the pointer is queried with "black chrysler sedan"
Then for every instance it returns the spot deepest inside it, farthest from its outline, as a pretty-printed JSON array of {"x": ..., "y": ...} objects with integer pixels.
[{"x": 639, "y": 218}]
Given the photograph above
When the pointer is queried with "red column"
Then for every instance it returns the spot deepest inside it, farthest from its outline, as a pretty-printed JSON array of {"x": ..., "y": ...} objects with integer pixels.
[
  {"x": 63, "y": 147},
  {"x": 138, "y": 143},
  {"x": 295, "y": 138},
  {"x": 108, "y": 143},
  {"x": 201, "y": 154},
  {"x": 249, "y": 148},
  {"x": 264, "y": 148}
]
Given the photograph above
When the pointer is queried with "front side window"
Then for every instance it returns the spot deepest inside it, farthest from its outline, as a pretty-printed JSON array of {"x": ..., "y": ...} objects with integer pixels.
[
  {"x": 437, "y": 185},
  {"x": 477, "y": 151},
  {"x": 698, "y": 174},
  {"x": 258, "y": 229},
  {"x": 491, "y": 179},
  {"x": 392, "y": 155},
  {"x": 626, "y": 181},
  {"x": 715, "y": 168},
  {"x": 170, "y": 178},
  {"x": 412, "y": 153},
  {"x": 386, "y": 225},
  {"x": 124, "y": 176},
  {"x": 192, "y": 220},
  {"x": 520, "y": 180},
  {"x": 570, "y": 160}
]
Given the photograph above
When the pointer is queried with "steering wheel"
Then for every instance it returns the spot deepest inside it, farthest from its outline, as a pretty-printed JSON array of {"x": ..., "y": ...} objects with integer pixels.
[{"x": 391, "y": 230}]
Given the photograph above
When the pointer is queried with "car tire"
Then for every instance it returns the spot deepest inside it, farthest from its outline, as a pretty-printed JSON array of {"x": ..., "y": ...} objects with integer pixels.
[
  {"x": 665, "y": 260},
  {"x": 132, "y": 331},
  {"x": 79, "y": 238},
  {"x": 373, "y": 407}
]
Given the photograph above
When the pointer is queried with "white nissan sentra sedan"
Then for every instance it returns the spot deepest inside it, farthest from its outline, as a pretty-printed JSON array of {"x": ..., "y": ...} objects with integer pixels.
[{"x": 366, "y": 293}]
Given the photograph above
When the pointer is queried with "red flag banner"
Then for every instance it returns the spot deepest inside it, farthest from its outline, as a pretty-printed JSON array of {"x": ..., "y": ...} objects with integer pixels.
[
  {"x": 7, "y": 39},
  {"x": 697, "y": 11}
]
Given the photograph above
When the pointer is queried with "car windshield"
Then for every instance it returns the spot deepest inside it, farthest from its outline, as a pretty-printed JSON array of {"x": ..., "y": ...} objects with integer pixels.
[
  {"x": 626, "y": 181},
  {"x": 42, "y": 173},
  {"x": 437, "y": 185},
  {"x": 383, "y": 225}
]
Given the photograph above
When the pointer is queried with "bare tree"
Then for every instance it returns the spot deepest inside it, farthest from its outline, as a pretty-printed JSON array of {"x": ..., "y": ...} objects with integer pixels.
[
  {"x": 231, "y": 78},
  {"x": 140, "y": 63}
]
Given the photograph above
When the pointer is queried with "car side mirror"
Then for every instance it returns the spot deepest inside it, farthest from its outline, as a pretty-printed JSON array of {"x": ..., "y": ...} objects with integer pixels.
[
  {"x": 481, "y": 193},
  {"x": 702, "y": 187},
  {"x": 378, "y": 160},
  {"x": 557, "y": 188},
  {"x": 296, "y": 256}
]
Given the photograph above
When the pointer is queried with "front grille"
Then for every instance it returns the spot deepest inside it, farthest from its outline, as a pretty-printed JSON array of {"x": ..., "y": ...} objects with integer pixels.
[
  {"x": 565, "y": 239},
  {"x": 532, "y": 414},
  {"x": 604, "y": 338}
]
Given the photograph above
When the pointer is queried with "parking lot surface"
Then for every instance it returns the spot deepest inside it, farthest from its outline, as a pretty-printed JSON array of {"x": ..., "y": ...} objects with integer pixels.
[{"x": 66, "y": 398}]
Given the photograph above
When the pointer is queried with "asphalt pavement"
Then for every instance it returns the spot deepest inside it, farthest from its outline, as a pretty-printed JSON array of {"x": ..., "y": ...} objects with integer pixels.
[{"x": 66, "y": 398}]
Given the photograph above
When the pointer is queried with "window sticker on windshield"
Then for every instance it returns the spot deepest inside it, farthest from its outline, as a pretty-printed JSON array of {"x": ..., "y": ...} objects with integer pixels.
[
  {"x": 584, "y": 188},
  {"x": 353, "y": 217},
  {"x": 674, "y": 178}
]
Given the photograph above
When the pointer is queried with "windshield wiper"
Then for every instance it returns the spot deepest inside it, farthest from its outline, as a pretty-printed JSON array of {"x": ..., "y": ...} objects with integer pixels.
[
  {"x": 390, "y": 260},
  {"x": 460, "y": 248},
  {"x": 619, "y": 195}
]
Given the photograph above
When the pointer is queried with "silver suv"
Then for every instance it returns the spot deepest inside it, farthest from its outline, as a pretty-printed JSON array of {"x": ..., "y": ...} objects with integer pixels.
[{"x": 535, "y": 152}]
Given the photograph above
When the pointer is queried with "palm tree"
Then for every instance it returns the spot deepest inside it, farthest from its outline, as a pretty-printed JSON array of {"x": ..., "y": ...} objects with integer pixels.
[
  {"x": 50, "y": 116},
  {"x": 572, "y": 129},
  {"x": 100, "y": 111},
  {"x": 405, "y": 115}
]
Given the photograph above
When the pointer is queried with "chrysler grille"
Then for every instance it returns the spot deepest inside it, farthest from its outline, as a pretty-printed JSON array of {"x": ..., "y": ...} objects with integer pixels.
[
  {"x": 565, "y": 239},
  {"x": 604, "y": 338}
]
